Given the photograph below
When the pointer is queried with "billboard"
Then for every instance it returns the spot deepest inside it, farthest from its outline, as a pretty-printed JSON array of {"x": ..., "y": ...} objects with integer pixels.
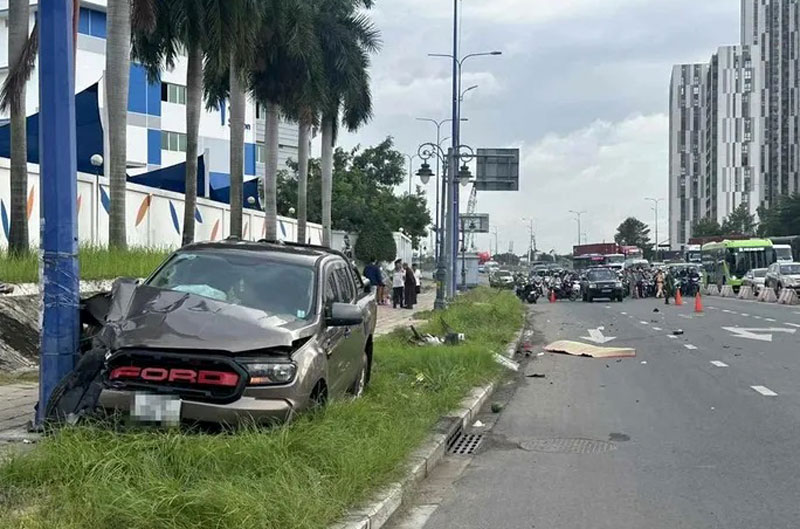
[
  {"x": 497, "y": 170},
  {"x": 475, "y": 222}
]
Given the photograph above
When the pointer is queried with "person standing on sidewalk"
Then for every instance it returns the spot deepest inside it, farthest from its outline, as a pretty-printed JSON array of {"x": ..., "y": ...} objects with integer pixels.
[
  {"x": 418, "y": 277},
  {"x": 398, "y": 282},
  {"x": 410, "y": 286}
]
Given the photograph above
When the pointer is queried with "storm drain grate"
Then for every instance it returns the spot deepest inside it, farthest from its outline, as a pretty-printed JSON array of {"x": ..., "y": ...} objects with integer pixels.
[
  {"x": 465, "y": 444},
  {"x": 568, "y": 446}
]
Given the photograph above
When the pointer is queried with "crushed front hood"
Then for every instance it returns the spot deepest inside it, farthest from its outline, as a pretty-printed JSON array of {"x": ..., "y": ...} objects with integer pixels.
[{"x": 153, "y": 318}]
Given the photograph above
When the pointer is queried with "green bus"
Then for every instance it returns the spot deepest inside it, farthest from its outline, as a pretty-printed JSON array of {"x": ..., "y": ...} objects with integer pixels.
[{"x": 727, "y": 262}]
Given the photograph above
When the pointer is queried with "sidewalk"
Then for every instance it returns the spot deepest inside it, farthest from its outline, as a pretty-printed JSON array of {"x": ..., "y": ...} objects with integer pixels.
[{"x": 17, "y": 400}]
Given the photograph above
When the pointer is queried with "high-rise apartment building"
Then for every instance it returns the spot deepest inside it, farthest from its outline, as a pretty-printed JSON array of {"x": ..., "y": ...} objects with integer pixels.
[
  {"x": 748, "y": 103},
  {"x": 774, "y": 26}
]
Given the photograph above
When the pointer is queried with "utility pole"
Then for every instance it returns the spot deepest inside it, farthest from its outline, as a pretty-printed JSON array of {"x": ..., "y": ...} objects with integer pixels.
[
  {"x": 59, "y": 194},
  {"x": 496, "y": 244},
  {"x": 655, "y": 202},
  {"x": 578, "y": 215}
]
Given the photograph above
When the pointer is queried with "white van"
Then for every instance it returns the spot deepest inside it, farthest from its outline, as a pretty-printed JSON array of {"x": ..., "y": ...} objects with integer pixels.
[{"x": 783, "y": 253}]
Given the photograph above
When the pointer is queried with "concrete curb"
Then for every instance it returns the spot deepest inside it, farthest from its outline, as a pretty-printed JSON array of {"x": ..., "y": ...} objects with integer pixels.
[
  {"x": 713, "y": 290},
  {"x": 788, "y": 297},
  {"x": 746, "y": 293},
  {"x": 388, "y": 500}
]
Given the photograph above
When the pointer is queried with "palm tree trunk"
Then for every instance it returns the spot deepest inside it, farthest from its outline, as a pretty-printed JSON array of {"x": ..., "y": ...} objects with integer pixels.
[
  {"x": 118, "y": 45},
  {"x": 302, "y": 180},
  {"x": 18, "y": 15},
  {"x": 237, "y": 148},
  {"x": 271, "y": 173},
  {"x": 194, "y": 92},
  {"x": 327, "y": 178}
]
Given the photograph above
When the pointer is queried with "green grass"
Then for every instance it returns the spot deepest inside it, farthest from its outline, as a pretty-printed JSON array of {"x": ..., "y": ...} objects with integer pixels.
[
  {"x": 24, "y": 378},
  {"x": 303, "y": 475},
  {"x": 95, "y": 263}
]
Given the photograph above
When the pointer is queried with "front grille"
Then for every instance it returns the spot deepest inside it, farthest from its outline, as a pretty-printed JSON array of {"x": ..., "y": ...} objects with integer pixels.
[{"x": 205, "y": 388}]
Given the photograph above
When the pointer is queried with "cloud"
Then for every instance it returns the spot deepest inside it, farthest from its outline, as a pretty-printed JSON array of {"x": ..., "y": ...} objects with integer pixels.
[{"x": 605, "y": 168}]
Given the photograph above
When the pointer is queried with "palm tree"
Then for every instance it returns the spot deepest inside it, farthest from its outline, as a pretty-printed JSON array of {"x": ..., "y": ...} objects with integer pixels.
[
  {"x": 347, "y": 40},
  {"x": 121, "y": 15},
  {"x": 13, "y": 98},
  {"x": 180, "y": 26},
  {"x": 232, "y": 29},
  {"x": 287, "y": 54}
]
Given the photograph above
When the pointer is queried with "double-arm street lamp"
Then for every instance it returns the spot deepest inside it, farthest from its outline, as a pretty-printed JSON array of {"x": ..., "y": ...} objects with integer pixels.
[
  {"x": 578, "y": 215},
  {"x": 411, "y": 159}
]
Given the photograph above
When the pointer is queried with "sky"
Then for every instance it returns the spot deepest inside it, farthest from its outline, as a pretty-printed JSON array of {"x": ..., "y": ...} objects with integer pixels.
[{"x": 582, "y": 89}]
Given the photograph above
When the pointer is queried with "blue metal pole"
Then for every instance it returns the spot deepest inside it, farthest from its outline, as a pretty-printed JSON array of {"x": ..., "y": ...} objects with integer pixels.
[{"x": 58, "y": 185}]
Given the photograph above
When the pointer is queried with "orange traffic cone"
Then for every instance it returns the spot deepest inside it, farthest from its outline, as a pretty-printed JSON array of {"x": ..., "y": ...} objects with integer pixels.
[
  {"x": 552, "y": 296},
  {"x": 698, "y": 303},
  {"x": 678, "y": 298}
]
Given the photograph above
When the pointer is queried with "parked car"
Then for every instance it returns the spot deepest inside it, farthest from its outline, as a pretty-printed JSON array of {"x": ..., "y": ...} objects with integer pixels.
[
  {"x": 755, "y": 279},
  {"x": 233, "y": 332},
  {"x": 601, "y": 283},
  {"x": 501, "y": 279},
  {"x": 783, "y": 275}
]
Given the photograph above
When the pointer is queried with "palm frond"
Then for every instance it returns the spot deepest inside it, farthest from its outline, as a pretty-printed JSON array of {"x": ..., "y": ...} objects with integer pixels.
[
  {"x": 143, "y": 15},
  {"x": 20, "y": 71}
]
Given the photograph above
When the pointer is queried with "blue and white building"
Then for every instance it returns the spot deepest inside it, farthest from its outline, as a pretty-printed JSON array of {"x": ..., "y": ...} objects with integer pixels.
[{"x": 157, "y": 111}]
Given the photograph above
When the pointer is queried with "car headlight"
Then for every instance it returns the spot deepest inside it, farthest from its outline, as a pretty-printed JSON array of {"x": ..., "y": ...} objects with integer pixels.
[
  {"x": 592, "y": 285},
  {"x": 268, "y": 374}
]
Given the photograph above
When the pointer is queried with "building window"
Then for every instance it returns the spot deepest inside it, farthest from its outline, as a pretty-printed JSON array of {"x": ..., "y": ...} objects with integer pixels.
[
  {"x": 173, "y": 93},
  {"x": 92, "y": 22},
  {"x": 173, "y": 141},
  {"x": 260, "y": 153}
]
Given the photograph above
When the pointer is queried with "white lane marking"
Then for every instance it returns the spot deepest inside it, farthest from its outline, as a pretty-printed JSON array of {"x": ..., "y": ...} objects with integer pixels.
[
  {"x": 624, "y": 313},
  {"x": 596, "y": 336},
  {"x": 672, "y": 336},
  {"x": 726, "y": 311},
  {"x": 712, "y": 308},
  {"x": 608, "y": 306},
  {"x": 690, "y": 347},
  {"x": 751, "y": 334},
  {"x": 772, "y": 320},
  {"x": 717, "y": 363},
  {"x": 764, "y": 391},
  {"x": 685, "y": 316},
  {"x": 660, "y": 329},
  {"x": 644, "y": 323},
  {"x": 745, "y": 315},
  {"x": 758, "y": 317},
  {"x": 793, "y": 325}
]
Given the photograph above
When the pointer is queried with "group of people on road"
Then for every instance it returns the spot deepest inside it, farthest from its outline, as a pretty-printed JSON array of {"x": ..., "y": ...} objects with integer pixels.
[
  {"x": 405, "y": 280},
  {"x": 658, "y": 282}
]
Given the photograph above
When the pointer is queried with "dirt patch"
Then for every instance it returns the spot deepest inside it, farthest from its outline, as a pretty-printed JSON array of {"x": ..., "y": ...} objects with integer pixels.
[{"x": 19, "y": 332}]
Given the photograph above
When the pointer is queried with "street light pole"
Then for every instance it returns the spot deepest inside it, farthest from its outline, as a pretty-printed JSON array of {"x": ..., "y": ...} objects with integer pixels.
[
  {"x": 410, "y": 170},
  {"x": 454, "y": 157},
  {"x": 496, "y": 245},
  {"x": 655, "y": 202},
  {"x": 578, "y": 217}
]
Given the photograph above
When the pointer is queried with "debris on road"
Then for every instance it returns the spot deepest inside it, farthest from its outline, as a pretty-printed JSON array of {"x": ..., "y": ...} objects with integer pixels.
[
  {"x": 591, "y": 351},
  {"x": 497, "y": 407},
  {"x": 478, "y": 424},
  {"x": 678, "y": 332},
  {"x": 505, "y": 362},
  {"x": 451, "y": 338},
  {"x": 536, "y": 375},
  {"x": 644, "y": 362},
  {"x": 656, "y": 310}
]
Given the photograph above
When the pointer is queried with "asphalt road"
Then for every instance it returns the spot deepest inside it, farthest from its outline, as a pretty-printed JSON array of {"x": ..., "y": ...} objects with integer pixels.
[{"x": 677, "y": 436}]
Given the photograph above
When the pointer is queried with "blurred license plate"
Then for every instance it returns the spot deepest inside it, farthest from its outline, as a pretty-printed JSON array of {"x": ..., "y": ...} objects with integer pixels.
[
  {"x": 165, "y": 409},
  {"x": 606, "y": 291}
]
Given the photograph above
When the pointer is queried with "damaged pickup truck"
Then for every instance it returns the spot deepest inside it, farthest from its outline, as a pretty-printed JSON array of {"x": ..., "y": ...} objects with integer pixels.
[{"x": 225, "y": 332}]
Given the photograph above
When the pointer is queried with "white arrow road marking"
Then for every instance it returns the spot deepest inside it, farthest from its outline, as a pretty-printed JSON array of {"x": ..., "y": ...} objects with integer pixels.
[
  {"x": 596, "y": 336},
  {"x": 717, "y": 363},
  {"x": 764, "y": 391},
  {"x": 690, "y": 347},
  {"x": 753, "y": 334}
]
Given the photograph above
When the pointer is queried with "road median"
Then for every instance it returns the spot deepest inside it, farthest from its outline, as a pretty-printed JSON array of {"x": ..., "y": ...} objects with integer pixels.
[{"x": 308, "y": 474}]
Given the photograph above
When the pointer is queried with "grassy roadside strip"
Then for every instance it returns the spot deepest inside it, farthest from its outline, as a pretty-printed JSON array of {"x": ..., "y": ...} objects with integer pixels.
[
  {"x": 95, "y": 263},
  {"x": 31, "y": 377},
  {"x": 304, "y": 475}
]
